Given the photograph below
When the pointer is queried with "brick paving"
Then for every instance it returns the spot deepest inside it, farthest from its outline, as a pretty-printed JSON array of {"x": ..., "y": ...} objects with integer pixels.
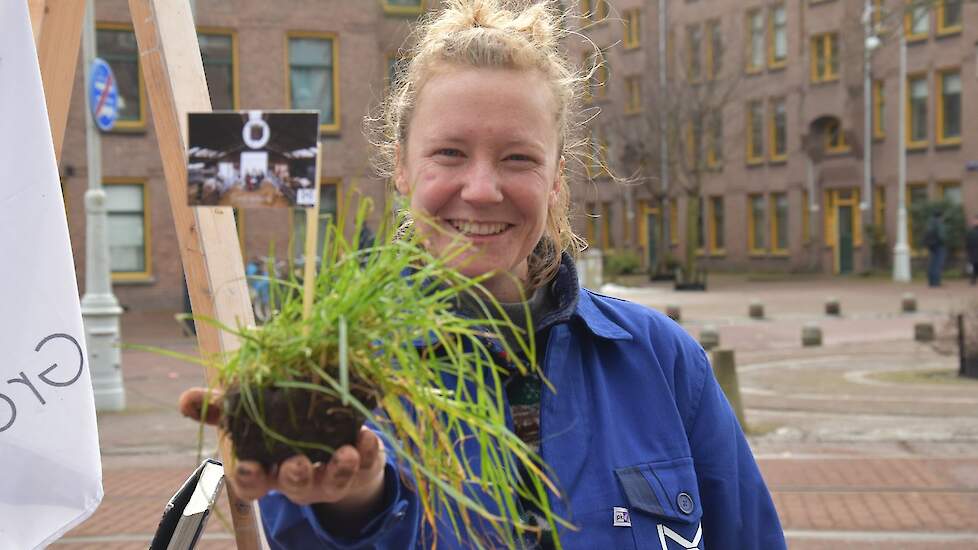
[{"x": 876, "y": 492}]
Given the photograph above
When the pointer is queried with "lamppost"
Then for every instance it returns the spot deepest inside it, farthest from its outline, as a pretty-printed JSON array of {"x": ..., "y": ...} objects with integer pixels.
[
  {"x": 901, "y": 251},
  {"x": 866, "y": 204}
]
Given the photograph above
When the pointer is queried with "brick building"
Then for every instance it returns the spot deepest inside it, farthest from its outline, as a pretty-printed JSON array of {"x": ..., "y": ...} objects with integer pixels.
[{"x": 761, "y": 104}]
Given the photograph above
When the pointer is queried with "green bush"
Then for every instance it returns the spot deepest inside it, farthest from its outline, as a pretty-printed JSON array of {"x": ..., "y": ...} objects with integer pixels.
[
  {"x": 623, "y": 262},
  {"x": 953, "y": 222}
]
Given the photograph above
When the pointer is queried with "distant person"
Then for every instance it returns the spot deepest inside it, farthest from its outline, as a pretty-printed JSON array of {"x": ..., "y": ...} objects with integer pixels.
[
  {"x": 935, "y": 239},
  {"x": 971, "y": 246}
]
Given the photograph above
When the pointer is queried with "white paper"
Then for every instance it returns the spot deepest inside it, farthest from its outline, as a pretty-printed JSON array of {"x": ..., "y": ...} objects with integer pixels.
[{"x": 50, "y": 469}]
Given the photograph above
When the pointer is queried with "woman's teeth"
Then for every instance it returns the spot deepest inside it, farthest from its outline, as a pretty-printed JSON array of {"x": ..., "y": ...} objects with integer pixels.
[{"x": 475, "y": 228}]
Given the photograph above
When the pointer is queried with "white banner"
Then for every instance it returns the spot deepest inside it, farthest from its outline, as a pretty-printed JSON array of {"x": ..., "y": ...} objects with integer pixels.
[{"x": 50, "y": 469}]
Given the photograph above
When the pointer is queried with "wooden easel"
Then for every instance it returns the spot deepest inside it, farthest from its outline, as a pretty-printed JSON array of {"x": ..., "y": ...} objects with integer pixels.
[{"x": 174, "y": 76}]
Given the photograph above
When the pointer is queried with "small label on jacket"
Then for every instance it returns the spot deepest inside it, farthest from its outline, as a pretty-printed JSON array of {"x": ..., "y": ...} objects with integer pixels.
[{"x": 621, "y": 517}]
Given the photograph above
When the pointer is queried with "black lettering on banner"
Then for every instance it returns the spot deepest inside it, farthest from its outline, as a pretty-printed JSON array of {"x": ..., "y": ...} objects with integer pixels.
[
  {"x": 81, "y": 362},
  {"x": 13, "y": 412},
  {"x": 25, "y": 381}
]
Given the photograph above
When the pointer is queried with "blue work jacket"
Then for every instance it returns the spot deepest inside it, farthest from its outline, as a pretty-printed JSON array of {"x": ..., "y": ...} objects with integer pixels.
[{"x": 640, "y": 438}]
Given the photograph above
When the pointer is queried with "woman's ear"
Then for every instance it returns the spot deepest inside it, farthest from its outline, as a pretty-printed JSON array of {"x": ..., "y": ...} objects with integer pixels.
[{"x": 400, "y": 179}]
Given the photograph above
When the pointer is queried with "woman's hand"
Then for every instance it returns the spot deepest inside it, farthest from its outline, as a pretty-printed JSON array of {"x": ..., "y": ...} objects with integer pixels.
[{"x": 346, "y": 492}]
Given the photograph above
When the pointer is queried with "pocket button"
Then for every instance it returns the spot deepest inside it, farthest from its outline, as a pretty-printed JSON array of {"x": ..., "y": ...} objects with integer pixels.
[{"x": 685, "y": 503}]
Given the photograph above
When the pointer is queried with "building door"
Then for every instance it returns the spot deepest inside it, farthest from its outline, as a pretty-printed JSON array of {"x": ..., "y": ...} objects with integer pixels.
[
  {"x": 652, "y": 240},
  {"x": 845, "y": 239}
]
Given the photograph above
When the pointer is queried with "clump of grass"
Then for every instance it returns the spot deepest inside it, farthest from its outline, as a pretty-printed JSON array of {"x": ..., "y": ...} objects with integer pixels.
[{"x": 383, "y": 330}]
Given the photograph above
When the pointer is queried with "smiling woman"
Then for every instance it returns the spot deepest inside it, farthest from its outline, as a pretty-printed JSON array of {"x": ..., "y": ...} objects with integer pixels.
[{"x": 624, "y": 409}]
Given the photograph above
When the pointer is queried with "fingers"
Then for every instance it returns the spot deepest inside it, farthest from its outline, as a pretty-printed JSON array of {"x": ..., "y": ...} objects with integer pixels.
[
  {"x": 192, "y": 404},
  {"x": 371, "y": 450},
  {"x": 250, "y": 480}
]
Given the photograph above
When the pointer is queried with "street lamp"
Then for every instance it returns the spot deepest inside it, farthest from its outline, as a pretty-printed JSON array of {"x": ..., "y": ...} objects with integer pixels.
[
  {"x": 866, "y": 204},
  {"x": 901, "y": 252}
]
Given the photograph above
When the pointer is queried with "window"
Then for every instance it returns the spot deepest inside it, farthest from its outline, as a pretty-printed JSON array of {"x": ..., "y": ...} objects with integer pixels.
[
  {"x": 806, "y": 229},
  {"x": 949, "y": 16},
  {"x": 403, "y": 7},
  {"x": 714, "y": 49},
  {"x": 598, "y": 224},
  {"x": 694, "y": 143},
  {"x": 595, "y": 10},
  {"x": 673, "y": 221},
  {"x": 779, "y": 223},
  {"x": 755, "y": 132},
  {"x": 917, "y": 111},
  {"x": 755, "y": 52},
  {"x": 917, "y": 194},
  {"x": 633, "y": 87},
  {"x": 633, "y": 28},
  {"x": 951, "y": 191},
  {"x": 916, "y": 20},
  {"x": 948, "y": 107},
  {"x": 607, "y": 239},
  {"x": 716, "y": 225},
  {"x": 694, "y": 60},
  {"x": 879, "y": 208},
  {"x": 598, "y": 150},
  {"x": 328, "y": 212},
  {"x": 127, "y": 229},
  {"x": 835, "y": 138},
  {"x": 217, "y": 51},
  {"x": 825, "y": 57},
  {"x": 312, "y": 82},
  {"x": 756, "y": 212},
  {"x": 700, "y": 228},
  {"x": 116, "y": 44},
  {"x": 879, "y": 107},
  {"x": 777, "y": 49},
  {"x": 714, "y": 140},
  {"x": 778, "y": 130}
]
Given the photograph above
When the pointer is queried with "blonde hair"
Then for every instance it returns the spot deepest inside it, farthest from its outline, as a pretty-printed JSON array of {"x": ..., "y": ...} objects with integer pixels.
[{"x": 510, "y": 34}]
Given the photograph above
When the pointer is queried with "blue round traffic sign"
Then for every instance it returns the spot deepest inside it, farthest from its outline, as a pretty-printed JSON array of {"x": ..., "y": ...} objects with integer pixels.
[{"x": 103, "y": 96}]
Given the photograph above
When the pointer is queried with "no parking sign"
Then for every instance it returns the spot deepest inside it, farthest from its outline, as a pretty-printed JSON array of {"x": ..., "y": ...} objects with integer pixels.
[{"x": 103, "y": 96}]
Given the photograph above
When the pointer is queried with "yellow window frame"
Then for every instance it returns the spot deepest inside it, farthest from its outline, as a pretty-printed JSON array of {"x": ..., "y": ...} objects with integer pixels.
[
  {"x": 775, "y": 227},
  {"x": 606, "y": 241},
  {"x": 749, "y": 66},
  {"x": 773, "y": 129},
  {"x": 942, "y": 29},
  {"x": 835, "y": 138},
  {"x": 910, "y": 143},
  {"x": 712, "y": 229},
  {"x": 879, "y": 107},
  {"x": 879, "y": 206},
  {"x": 633, "y": 28},
  {"x": 753, "y": 159},
  {"x": 333, "y": 128},
  {"x": 694, "y": 57},
  {"x": 940, "y": 123},
  {"x": 233, "y": 34},
  {"x": 674, "y": 221},
  {"x": 908, "y": 16},
  {"x": 821, "y": 46},
  {"x": 147, "y": 274},
  {"x": 806, "y": 220},
  {"x": 397, "y": 9},
  {"x": 139, "y": 124},
  {"x": 710, "y": 65},
  {"x": 753, "y": 222},
  {"x": 595, "y": 10},
  {"x": 633, "y": 90},
  {"x": 713, "y": 141},
  {"x": 772, "y": 61}
]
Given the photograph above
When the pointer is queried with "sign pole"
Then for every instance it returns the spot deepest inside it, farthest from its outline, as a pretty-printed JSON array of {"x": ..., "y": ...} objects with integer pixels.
[
  {"x": 312, "y": 235},
  {"x": 209, "y": 247}
]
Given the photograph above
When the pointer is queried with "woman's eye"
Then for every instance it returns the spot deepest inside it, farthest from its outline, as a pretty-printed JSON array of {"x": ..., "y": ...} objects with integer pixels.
[
  {"x": 520, "y": 158},
  {"x": 448, "y": 152}
]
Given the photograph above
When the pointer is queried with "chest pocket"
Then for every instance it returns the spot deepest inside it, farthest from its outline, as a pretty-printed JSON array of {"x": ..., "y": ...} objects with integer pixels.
[{"x": 663, "y": 504}]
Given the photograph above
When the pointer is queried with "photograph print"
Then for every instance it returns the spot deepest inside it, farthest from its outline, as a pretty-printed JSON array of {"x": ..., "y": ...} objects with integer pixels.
[{"x": 252, "y": 159}]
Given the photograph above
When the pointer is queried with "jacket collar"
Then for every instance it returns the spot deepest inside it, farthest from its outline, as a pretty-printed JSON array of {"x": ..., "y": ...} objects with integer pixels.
[{"x": 574, "y": 301}]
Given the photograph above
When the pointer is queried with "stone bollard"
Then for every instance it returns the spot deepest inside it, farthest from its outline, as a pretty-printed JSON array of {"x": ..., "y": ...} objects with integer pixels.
[
  {"x": 923, "y": 331},
  {"x": 672, "y": 311},
  {"x": 709, "y": 337},
  {"x": 908, "y": 304},
  {"x": 811, "y": 335},
  {"x": 725, "y": 370},
  {"x": 756, "y": 309},
  {"x": 832, "y": 306}
]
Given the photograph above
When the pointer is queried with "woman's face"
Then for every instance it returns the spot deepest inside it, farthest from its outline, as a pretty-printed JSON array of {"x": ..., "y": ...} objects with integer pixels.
[{"x": 481, "y": 166}]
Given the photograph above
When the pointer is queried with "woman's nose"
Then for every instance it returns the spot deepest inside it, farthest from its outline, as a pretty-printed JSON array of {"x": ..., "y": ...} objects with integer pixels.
[{"x": 481, "y": 183}]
